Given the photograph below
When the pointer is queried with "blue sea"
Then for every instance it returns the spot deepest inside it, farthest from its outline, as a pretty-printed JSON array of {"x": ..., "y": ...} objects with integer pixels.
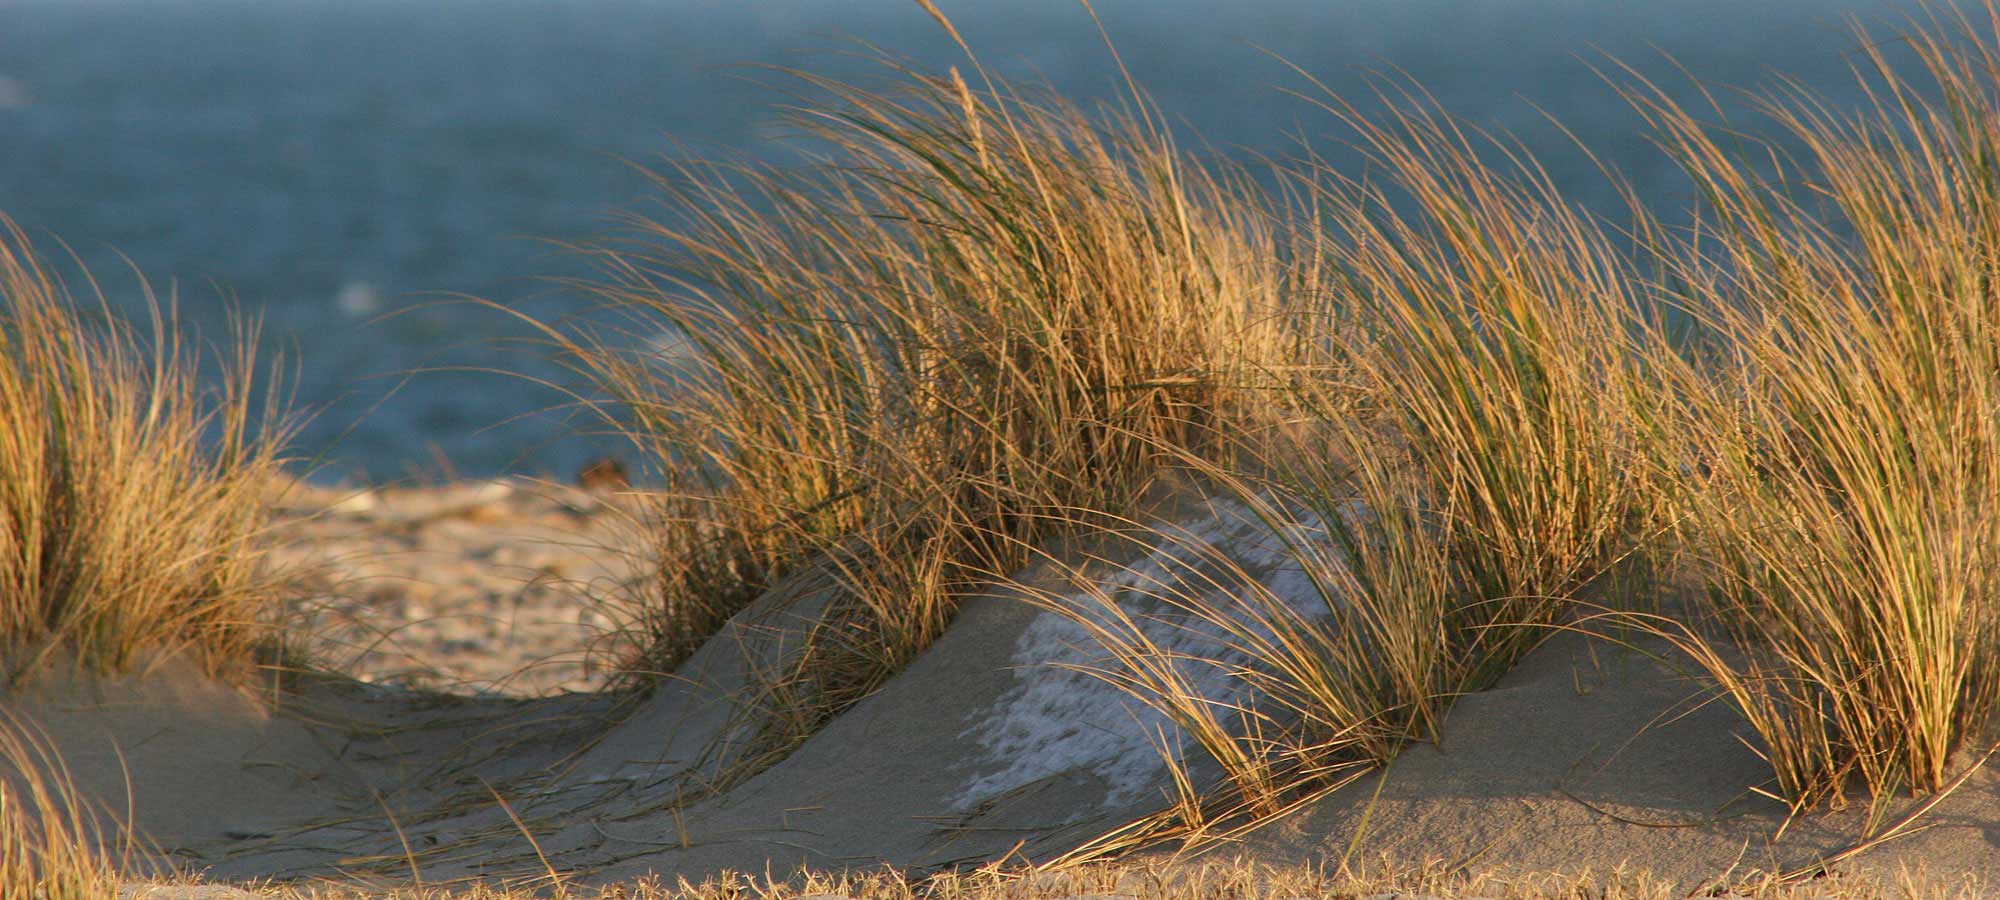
[{"x": 350, "y": 170}]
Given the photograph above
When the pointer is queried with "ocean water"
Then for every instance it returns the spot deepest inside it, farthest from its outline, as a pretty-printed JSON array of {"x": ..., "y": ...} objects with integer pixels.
[{"x": 349, "y": 170}]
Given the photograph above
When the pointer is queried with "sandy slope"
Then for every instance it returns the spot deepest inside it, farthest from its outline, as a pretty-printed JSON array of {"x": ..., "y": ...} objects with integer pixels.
[
  {"x": 1576, "y": 760},
  {"x": 1586, "y": 757}
]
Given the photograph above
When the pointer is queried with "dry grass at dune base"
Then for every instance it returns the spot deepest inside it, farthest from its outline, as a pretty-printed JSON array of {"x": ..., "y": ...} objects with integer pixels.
[
  {"x": 132, "y": 492},
  {"x": 980, "y": 317},
  {"x": 1233, "y": 880},
  {"x": 1818, "y": 442},
  {"x": 1831, "y": 436},
  {"x": 988, "y": 320},
  {"x": 986, "y": 323},
  {"x": 1480, "y": 467},
  {"x": 132, "y": 483},
  {"x": 53, "y": 845}
]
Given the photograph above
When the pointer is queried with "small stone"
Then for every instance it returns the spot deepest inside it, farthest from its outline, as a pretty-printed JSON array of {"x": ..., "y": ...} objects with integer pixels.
[{"x": 605, "y": 473}]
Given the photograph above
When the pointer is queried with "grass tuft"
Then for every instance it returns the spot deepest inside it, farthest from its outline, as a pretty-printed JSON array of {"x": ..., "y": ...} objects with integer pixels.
[
  {"x": 1429, "y": 518},
  {"x": 1837, "y": 447},
  {"x": 979, "y": 310},
  {"x": 133, "y": 488}
]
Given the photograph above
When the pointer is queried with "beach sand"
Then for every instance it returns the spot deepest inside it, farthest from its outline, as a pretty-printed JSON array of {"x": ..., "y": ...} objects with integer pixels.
[
  {"x": 1586, "y": 758},
  {"x": 507, "y": 586}
]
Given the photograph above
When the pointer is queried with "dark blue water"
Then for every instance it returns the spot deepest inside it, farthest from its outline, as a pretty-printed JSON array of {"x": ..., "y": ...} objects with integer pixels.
[{"x": 327, "y": 163}]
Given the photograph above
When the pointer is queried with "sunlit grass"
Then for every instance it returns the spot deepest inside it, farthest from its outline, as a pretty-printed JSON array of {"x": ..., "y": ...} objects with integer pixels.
[
  {"x": 980, "y": 319},
  {"x": 53, "y": 844},
  {"x": 1239, "y": 879},
  {"x": 1495, "y": 325},
  {"x": 1837, "y": 453},
  {"x": 133, "y": 482},
  {"x": 1431, "y": 516},
  {"x": 980, "y": 310}
]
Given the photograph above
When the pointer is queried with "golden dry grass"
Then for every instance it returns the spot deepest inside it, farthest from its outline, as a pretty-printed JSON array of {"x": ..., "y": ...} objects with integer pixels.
[
  {"x": 53, "y": 845},
  {"x": 1479, "y": 465},
  {"x": 133, "y": 488},
  {"x": 985, "y": 318},
  {"x": 1836, "y": 448},
  {"x": 979, "y": 313},
  {"x": 1824, "y": 445}
]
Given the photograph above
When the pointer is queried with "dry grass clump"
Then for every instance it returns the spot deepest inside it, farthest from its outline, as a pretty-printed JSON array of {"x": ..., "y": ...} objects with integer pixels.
[
  {"x": 980, "y": 310},
  {"x": 1837, "y": 451},
  {"x": 52, "y": 844},
  {"x": 984, "y": 319},
  {"x": 1495, "y": 334},
  {"x": 1829, "y": 441},
  {"x": 132, "y": 488},
  {"x": 1418, "y": 540}
]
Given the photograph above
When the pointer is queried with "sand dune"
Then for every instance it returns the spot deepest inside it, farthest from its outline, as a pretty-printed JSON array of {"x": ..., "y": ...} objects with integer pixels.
[{"x": 1588, "y": 756}]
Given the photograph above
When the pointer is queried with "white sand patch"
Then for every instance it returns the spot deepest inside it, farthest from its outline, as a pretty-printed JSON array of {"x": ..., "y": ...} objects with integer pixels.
[{"x": 1057, "y": 719}]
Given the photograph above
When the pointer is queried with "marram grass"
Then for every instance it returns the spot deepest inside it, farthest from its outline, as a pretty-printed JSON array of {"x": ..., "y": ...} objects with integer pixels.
[
  {"x": 133, "y": 483},
  {"x": 1835, "y": 453},
  {"x": 53, "y": 844},
  {"x": 1238, "y": 879},
  {"x": 979, "y": 312},
  {"x": 1478, "y": 467},
  {"x": 983, "y": 318}
]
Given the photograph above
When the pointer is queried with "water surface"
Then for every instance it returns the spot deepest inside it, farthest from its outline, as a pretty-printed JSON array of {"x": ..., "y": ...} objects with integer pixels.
[{"x": 327, "y": 162}]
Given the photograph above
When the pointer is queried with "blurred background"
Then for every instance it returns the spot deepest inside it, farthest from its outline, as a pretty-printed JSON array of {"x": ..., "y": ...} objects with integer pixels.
[{"x": 344, "y": 168}]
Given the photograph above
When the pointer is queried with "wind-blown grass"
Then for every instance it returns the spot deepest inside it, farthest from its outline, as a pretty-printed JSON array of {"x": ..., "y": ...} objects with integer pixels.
[
  {"x": 132, "y": 488},
  {"x": 1840, "y": 460},
  {"x": 1308, "y": 645},
  {"x": 983, "y": 319},
  {"x": 979, "y": 310},
  {"x": 53, "y": 845},
  {"x": 1495, "y": 323},
  {"x": 1437, "y": 524}
]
